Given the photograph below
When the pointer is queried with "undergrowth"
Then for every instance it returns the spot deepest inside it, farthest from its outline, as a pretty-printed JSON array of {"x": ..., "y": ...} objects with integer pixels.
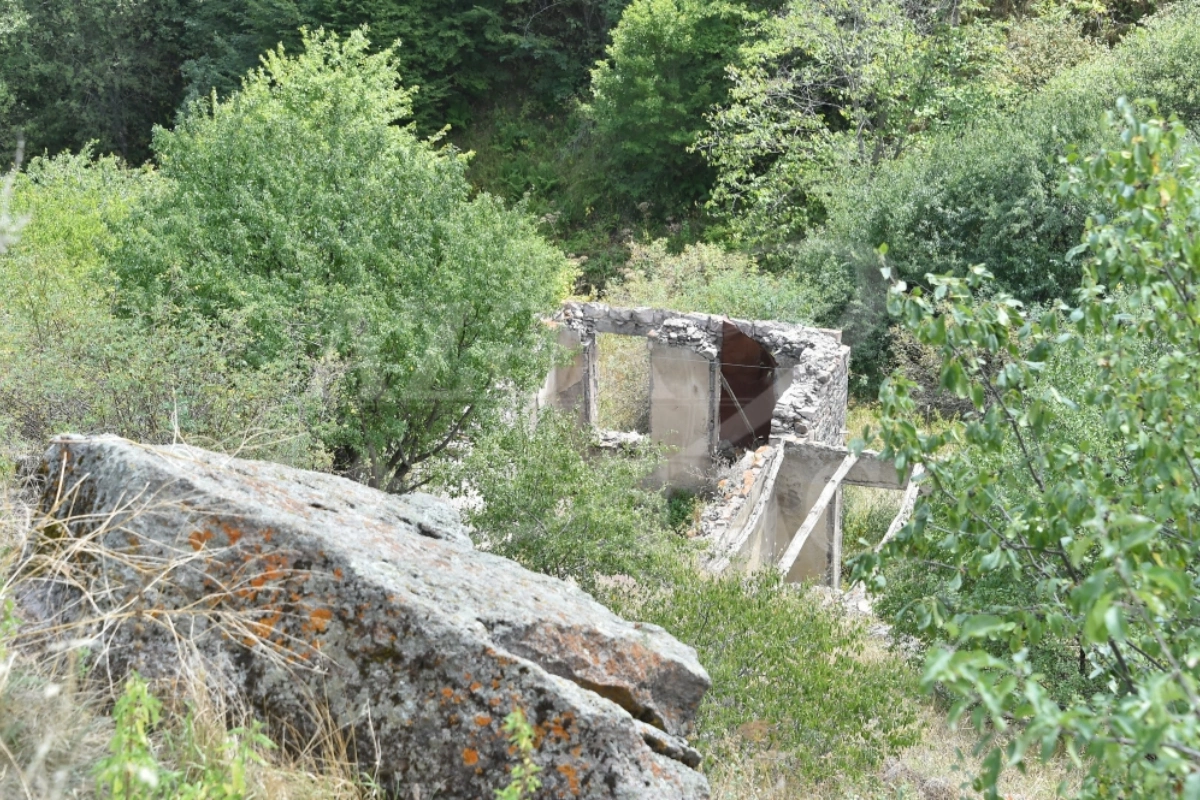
[{"x": 788, "y": 678}]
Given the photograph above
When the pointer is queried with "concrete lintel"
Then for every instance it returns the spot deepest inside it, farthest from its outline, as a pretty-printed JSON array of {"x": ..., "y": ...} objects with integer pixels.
[{"x": 870, "y": 470}]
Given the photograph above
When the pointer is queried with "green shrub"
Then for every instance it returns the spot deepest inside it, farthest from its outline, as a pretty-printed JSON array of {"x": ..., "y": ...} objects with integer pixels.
[
  {"x": 790, "y": 676},
  {"x": 827, "y": 89},
  {"x": 68, "y": 364},
  {"x": 986, "y": 190},
  {"x": 298, "y": 211},
  {"x": 1063, "y": 512},
  {"x": 525, "y": 782},
  {"x": 545, "y": 501},
  {"x": 710, "y": 279},
  {"x": 683, "y": 511},
  {"x": 134, "y": 771}
]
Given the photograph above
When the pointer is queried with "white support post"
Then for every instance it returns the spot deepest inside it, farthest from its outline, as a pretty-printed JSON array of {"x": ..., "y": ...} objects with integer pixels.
[
  {"x": 906, "y": 507},
  {"x": 814, "y": 515}
]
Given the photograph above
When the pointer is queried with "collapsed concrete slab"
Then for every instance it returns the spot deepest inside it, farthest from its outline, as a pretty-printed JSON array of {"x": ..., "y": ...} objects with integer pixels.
[{"x": 307, "y": 590}]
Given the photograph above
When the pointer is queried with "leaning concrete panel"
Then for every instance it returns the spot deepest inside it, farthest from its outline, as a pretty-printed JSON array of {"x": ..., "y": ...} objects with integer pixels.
[
  {"x": 682, "y": 412},
  {"x": 754, "y": 537},
  {"x": 799, "y": 485}
]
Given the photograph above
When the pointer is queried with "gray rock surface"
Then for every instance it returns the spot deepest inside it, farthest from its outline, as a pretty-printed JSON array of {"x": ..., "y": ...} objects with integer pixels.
[{"x": 305, "y": 591}]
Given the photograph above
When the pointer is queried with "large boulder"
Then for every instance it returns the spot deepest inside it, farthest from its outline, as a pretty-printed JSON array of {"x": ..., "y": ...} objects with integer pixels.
[{"x": 311, "y": 594}]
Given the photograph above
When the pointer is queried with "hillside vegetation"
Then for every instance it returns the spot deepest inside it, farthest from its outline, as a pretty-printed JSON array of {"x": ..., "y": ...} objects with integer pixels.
[{"x": 324, "y": 233}]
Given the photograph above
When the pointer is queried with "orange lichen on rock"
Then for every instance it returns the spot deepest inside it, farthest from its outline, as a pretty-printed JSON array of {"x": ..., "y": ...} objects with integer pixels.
[
  {"x": 557, "y": 729},
  {"x": 232, "y": 533},
  {"x": 319, "y": 618},
  {"x": 572, "y": 776},
  {"x": 200, "y": 538},
  {"x": 470, "y": 757},
  {"x": 483, "y": 720}
]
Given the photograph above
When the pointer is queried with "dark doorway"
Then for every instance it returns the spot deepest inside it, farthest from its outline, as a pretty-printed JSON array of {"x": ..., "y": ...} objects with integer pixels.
[{"x": 747, "y": 389}]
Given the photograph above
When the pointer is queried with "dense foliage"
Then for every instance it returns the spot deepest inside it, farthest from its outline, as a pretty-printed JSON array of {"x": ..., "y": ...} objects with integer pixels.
[
  {"x": 1073, "y": 481},
  {"x": 67, "y": 363},
  {"x": 74, "y": 72},
  {"x": 665, "y": 68},
  {"x": 826, "y": 86},
  {"x": 310, "y": 268},
  {"x": 547, "y": 502},
  {"x": 710, "y": 279},
  {"x": 296, "y": 211}
]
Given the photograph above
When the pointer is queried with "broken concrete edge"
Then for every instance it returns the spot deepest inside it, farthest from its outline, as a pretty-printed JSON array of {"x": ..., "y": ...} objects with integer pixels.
[
  {"x": 787, "y": 341},
  {"x": 738, "y": 506},
  {"x": 543, "y": 648}
]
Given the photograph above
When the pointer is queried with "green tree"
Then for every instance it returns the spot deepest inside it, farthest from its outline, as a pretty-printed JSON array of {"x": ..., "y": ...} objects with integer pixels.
[
  {"x": 299, "y": 211},
  {"x": 832, "y": 86},
  {"x": 458, "y": 53},
  {"x": 90, "y": 70},
  {"x": 665, "y": 68},
  {"x": 1078, "y": 485}
]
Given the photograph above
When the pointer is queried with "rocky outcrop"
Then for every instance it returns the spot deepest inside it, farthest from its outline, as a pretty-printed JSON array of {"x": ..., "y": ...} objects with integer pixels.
[{"x": 305, "y": 591}]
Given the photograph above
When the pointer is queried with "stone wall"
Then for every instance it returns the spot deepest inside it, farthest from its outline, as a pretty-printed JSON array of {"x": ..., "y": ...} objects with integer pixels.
[{"x": 812, "y": 375}]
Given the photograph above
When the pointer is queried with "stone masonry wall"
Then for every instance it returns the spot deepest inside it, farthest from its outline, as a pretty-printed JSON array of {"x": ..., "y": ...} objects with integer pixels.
[{"x": 813, "y": 363}]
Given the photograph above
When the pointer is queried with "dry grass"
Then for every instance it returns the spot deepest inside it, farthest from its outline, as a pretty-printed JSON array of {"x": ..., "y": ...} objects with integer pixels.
[
  {"x": 944, "y": 758},
  {"x": 54, "y": 704},
  {"x": 939, "y": 767}
]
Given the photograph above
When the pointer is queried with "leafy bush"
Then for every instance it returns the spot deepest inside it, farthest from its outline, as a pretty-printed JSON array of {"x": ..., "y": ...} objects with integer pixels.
[
  {"x": 710, "y": 279},
  {"x": 132, "y": 771},
  {"x": 68, "y": 364},
  {"x": 298, "y": 211},
  {"x": 789, "y": 675},
  {"x": 1063, "y": 512},
  {"x": 546, "y": 502}
]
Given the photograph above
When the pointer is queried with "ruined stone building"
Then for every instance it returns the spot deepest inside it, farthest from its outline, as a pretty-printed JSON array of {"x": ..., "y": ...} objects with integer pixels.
[{"x": 769, "y": 396}]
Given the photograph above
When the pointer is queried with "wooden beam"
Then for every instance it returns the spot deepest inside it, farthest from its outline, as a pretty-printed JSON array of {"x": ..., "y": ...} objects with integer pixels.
[
  {"x": 827, "y": 494},
  {"x": 906, "y": 507}
]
